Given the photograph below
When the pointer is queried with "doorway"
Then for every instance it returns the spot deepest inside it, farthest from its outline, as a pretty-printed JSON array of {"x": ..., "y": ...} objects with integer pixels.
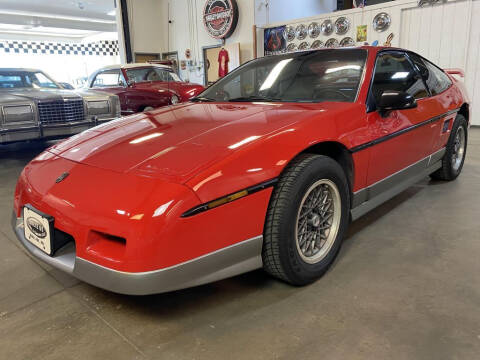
[{"x": 210, "y": 59}]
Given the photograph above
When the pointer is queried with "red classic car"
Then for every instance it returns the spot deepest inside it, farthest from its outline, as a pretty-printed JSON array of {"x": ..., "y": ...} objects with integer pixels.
[
  {"x": 266, "y": 168},
  {"x": 143, "y": 87}
]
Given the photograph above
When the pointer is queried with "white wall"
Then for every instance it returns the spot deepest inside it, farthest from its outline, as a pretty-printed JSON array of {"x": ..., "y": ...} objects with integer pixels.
[
  {"x": 449, "y": 35},
  {"x": 61, "y": 67},
  {"x": 358, "y": 16},
  {"x": 146, "y": 19},
  {"x": 273, "y": 11},
  {"x": 151, "y": 32},
  {"x": 446, "y": 33}
]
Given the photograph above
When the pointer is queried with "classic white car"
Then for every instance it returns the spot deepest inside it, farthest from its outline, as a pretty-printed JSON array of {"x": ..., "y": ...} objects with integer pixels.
[{"x": 33, "y": 106}]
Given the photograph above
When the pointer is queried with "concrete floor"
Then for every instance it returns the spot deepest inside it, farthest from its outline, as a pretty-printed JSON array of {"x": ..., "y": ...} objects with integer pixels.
[{"x": 406, "y": 285}]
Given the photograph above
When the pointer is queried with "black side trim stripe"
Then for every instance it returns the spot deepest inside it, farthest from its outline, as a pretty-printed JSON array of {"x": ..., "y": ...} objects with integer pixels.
[
  {"x": 230, "y": 197},
  {"x": 400, "y": 132}
]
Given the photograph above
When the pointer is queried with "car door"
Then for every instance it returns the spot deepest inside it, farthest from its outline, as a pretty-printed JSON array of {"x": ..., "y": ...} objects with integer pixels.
[
  {"x": 400, "y": 138},
  {"x": 112, "y": 81},
  {"x": 441, "y": 99},
  {"x": 145, "y": 90}
]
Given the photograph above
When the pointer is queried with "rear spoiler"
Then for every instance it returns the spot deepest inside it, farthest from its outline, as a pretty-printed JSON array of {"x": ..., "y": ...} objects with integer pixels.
[{"x": 455, "y": 71}]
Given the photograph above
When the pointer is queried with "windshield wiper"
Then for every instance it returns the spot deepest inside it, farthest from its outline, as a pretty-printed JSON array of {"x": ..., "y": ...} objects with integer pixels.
[
  {"x": 254, "y": 98},
  {"x": 201, "y": 99}
]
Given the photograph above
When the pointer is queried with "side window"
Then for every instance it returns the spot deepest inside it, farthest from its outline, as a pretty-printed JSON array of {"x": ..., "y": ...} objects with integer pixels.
[
  {"x": 393, "y": 71},
  {"x": 108, "y": 78},
  {"x": 164, "y": 75},
  {"x": 168, "y": 76},
  {"x": 437, "y": 81}
]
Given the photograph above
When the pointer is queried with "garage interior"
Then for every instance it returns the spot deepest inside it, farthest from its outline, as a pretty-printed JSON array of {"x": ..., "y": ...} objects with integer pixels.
[{"x": 406, "y": 282}]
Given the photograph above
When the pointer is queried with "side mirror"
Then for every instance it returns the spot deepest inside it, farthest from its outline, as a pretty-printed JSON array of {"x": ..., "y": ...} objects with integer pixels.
[
  {"x": 395, "y": 100},
  {"x": 130, "y": 83}
]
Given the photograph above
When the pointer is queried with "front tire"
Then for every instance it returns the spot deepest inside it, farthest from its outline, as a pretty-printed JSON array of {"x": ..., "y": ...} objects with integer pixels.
[
  {"x": 456, "y": 149},
  {"x": 306, "y": 220}
]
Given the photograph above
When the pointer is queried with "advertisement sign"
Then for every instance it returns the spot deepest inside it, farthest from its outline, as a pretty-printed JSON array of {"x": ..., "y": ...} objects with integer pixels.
[
  {"x": 220, "y": 18},
  {"x": 274, "y": 41}
]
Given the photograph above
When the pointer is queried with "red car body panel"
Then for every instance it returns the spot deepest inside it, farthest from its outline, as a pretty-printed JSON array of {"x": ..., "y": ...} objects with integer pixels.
[
  {"x": 137, "y": 96},
  {"x": 127, "y": 216},
  {"x": 134, "y": 177}
]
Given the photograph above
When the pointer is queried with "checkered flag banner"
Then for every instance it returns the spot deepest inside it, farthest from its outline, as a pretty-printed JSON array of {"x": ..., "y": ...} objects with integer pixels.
[{"x": 100, "y": 48}]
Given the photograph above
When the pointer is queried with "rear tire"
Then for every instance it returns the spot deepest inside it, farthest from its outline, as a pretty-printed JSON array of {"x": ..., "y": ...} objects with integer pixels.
[
  {"x": 306, "y": 221},
  {"x": 456, "y": 149},
  {"x": 148, "y": 108}
]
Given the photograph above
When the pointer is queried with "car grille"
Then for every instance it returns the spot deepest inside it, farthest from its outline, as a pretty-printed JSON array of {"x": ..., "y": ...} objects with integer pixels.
[{"x": 61, "y": 111}]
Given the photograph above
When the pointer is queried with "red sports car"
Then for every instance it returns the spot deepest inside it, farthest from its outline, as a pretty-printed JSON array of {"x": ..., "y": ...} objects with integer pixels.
[
  {"x": 266, "y": 168},
  {"x": 143, "y": 87}
]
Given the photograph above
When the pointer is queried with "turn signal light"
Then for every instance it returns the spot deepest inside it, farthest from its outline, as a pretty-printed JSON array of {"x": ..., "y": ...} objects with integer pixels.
[{"x": 229, "y": 198}]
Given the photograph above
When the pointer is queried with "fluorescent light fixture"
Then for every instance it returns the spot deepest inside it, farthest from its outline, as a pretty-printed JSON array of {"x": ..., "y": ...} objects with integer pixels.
[
  {"x": 243, "y": 142},
  {"x": 340, "y": 68},
  {"x": 267, "y": 84},
  {"x": 55, "y": 16},
  {"x": 400, "y": 75},
  {"x": 45, "y": 31},
  {"x": 146, "y": 138},
  {"x": 40, "y": 33}
]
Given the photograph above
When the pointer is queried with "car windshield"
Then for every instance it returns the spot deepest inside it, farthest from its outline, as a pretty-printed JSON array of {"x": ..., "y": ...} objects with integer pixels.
[
  {"x": 26, "y": 79},
  {"x": 147, "y": 74},
  {"x": 315, "y": 76}
]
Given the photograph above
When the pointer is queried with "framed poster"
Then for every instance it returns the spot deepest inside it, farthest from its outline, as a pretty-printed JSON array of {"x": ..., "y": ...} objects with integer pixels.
[
  {"x": 361, "y": 33},
  {"x": 274, "y": 41}
]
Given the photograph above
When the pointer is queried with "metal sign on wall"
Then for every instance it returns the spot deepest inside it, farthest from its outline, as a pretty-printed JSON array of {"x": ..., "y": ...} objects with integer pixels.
[{"x": 220, "y": 17}]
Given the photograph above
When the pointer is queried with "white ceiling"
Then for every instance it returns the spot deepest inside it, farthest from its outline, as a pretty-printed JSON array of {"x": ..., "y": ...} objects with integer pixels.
[
  {"x": 69, "y": 18},
  {"x": 79, "y": 8}
]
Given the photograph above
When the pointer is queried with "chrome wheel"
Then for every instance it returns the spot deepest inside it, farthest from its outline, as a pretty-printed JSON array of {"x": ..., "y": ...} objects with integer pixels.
[
  {"x": 458, "y": 148},
  {"x": 318, "y": 221}
]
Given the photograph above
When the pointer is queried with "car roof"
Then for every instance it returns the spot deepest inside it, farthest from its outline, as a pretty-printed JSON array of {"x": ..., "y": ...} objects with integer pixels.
[
  {"x": 134, "y": 65},
  {"x": 366, "y": 47}
]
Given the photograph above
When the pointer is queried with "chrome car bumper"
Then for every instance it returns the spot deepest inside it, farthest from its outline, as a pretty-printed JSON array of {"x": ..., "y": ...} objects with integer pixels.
[
  {"x": 230, "y": 261},
  {"x": 46, "y": 131}
]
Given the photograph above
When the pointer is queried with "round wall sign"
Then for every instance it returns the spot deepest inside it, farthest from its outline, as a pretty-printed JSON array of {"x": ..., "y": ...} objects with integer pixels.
[{"x": 220, "y": 17}]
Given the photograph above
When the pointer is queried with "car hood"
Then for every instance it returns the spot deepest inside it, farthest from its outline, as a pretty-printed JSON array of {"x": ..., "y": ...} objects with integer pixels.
[
  {"x": 176, "y": 142},
  {"x": 44, "y": 94},
  {"x": 180, "y": 87}
]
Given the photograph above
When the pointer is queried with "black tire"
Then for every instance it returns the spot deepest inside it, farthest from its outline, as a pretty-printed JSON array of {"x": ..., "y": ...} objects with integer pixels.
[
  {"x": 448, "y": 172},
  {"x": 280, "y": 254}
]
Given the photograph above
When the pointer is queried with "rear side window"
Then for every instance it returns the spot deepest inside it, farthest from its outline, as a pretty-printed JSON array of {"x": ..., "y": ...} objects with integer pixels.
[
  {"x": 10, "y": 81},
  {"x": 437, "y": 81},
  {"x": 393, "y": 71}
]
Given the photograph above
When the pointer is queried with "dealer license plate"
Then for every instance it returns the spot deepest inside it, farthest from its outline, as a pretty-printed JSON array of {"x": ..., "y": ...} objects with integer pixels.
[{"x": 38, "y": 228}]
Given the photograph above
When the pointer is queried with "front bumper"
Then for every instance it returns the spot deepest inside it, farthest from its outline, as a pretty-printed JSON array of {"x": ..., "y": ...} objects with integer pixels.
[
  {"x": 47, "y": 131},
  {"x": 229, "y": 261}
]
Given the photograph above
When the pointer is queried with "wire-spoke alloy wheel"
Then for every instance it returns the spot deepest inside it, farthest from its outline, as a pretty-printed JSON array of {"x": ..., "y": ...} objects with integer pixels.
[
  {"x": 318, "y": 220},
  {"x": 458, "y": 148},
  {"x": 455, "y": 151},
  {"x": 307, "y": 218}
]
